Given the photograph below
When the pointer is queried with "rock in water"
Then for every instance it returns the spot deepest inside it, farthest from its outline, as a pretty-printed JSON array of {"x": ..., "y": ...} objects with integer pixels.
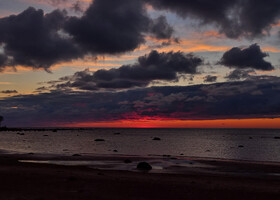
[
  {"x": 156, "y": 138},
  {"x": 144, "y": 166},
  {"x": 127, "y": 161},
  {"x": 99, "y": 140}
]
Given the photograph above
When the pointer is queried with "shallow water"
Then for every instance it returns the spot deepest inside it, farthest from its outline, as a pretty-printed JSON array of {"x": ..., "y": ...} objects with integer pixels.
[{"x": 241, "y": 144}]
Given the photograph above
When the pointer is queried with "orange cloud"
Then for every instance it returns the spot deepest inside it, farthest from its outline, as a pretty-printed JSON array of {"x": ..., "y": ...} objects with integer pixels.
[
  {"x": 212, "y": 33},
  {"x": 194, "y": 46},
  {"x": 271, "y": 49},
  {"x": 276, "y": 25},
  {"x": 5, "y": 83},
  {"x": 185, "y": 45}
]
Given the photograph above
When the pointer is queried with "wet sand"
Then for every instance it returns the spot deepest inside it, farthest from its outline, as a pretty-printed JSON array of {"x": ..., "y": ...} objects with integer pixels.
[{"x": 222, "y": 179}]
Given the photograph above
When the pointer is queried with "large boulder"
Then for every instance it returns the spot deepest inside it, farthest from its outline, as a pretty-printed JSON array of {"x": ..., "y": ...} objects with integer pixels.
[{"x": 144, "y": 166}]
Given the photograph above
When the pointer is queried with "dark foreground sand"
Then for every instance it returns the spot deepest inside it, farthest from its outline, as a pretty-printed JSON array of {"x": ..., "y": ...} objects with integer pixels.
[{"x": 20, "y": 181}]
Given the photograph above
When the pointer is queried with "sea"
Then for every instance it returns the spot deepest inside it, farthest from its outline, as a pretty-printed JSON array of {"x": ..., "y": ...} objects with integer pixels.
[{"x": 237, "y": 144}]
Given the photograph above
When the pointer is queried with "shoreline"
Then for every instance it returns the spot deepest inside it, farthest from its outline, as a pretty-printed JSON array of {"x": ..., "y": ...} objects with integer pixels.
[
  {"x": 160, "y": 163},
  {"x": 238, "y": 180}
]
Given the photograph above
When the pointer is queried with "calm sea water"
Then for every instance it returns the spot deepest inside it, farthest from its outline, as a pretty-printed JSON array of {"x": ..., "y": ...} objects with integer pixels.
[{"x": 242, "y": 144}]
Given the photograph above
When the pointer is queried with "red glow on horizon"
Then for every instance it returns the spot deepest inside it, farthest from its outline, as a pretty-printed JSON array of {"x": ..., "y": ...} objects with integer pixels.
[{"x": 220, "y": 123}]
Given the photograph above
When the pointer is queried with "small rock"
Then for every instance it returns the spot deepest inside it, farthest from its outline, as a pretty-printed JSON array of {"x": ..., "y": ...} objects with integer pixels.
[
  {"x": 277, "y": 138},
  {"x": 76, "y": 154},
  {"x": 250, "y": 138},
  {"x": 207, "y": 150},
  {"x": 99, "y": 140},
  {"x": 117, "y": 133},
  {"x": 45, "y": 135},
  {"x": 241, "y": 146},
  {"x": 72, "y": 178},
  {"x": 144, "y": 166},
  {"x": 127, "y": 161},
  {"x": 156, "y": 138},
  {"x": 115, "y": 150}
]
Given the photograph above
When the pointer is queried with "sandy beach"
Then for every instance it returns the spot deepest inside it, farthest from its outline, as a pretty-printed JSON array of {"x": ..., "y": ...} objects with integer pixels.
[{"x": 224, "y": 180}]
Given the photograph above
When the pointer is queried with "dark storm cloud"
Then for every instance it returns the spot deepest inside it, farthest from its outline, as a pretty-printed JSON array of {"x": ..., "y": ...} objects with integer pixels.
[
  {"x": 210, "y": 78},
  {"x": 153, "y": 66},
  {"x": 38, "y": 40},
  {"x": 110, "y": 26},
  {"x": 161, "y": 29},
  {"x": 235, "y": 18},
  {"x": 32, "y": 39},
  {"x": 115, "y": 26},
  {"x": 250, "y": 57},
  {"x": 254, "y": 98},
  {"x": 9, "y": 92},
  {"x": 238, "y": 74}
]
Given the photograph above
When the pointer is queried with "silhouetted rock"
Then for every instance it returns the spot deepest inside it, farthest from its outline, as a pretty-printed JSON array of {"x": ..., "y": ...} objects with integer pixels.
[
  {"x": 144, "y": 166},
  {"x": 127, "y": 161},
  {"x": 240, "y": 146},
  {"x": 72, "y": 178},
  {"x": 20, "y": 133},
  {"x": 276, "y": 137},
  {"x": 45, "y": 135},
  {"x": 76, "y": 155},
  {"x": 117, "y": 133},
  {"x": 156, "y": 138},
  {"x": 99, "y": 140},
  {"x": 1, "y": 119},
  {"x": 54, "y": 130},
  {"x": 115, "y": 150},
  {"x": 250, "y": 138}
]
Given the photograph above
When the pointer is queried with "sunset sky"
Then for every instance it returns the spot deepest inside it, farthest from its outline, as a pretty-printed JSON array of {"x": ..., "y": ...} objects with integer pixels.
[{"x": 140, "y": 63}]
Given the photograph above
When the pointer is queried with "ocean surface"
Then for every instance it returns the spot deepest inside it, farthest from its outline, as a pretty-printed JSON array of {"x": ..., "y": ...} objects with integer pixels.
[{"x": 240, "y": 144}]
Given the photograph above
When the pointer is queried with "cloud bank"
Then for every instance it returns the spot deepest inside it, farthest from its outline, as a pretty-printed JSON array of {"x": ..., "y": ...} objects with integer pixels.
[{"x": 232, "y": 100}]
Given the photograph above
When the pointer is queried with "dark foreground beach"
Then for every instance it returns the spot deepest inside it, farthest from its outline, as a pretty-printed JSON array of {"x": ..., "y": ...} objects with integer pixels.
[{"x": 22, "y": 178}]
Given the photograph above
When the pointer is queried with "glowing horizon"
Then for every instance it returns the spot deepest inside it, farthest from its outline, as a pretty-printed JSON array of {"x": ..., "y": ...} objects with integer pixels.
[{"x": 217, "y": 123}]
